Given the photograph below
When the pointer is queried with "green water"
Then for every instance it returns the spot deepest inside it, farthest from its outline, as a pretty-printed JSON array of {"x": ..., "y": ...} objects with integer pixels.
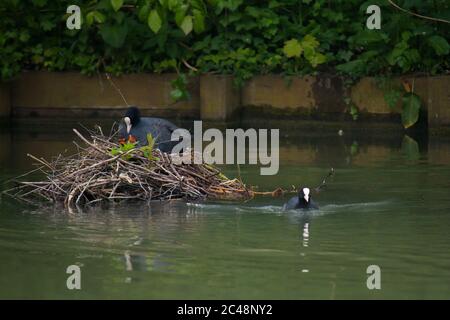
[{"x": 388, "y": 205}]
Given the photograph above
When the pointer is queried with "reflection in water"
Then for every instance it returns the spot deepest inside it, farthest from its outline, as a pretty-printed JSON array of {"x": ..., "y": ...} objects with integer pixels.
[{"x": 305, "y": 234}]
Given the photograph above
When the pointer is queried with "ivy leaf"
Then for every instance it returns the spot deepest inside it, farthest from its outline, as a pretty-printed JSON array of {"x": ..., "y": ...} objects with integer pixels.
[
  {"x": 187, "y": 25},
  {"x": 354, "y": 67},
  {"x": 310, "y": 41},
  {"x": 114, "y": 35},
  {"x": 154, "y": 21},
  {"x": 292, "y": 48},
  {"x": 180, "y": 14},
  {"x": 172, "y": 4},
  {"x": 316, "y": 59},
  {"x": 176, "y": 94},
  {"x": 39, "y": 3},
  {"x": 47, "y": 25},
  {"x": 95, "y": 16},
  {"x": 199, "y": 21},
  {"x": 411, "y": 107},
  {"x": 116, "y": 4},
  {"x": 440, "y": 45},
  {"x": 391, "y": 97},
  {"x": 143, "y": 13}
]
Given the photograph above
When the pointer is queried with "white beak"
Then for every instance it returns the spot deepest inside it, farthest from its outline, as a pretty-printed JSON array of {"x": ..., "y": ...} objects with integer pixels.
[
  {"x": 127, "y": 121},
  {"x": 306, "y": 193}
]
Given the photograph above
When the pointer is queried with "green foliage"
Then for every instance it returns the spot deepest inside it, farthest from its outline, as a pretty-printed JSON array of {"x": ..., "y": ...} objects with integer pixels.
[
  {"x": 148, "y": 149},
  {"x": 116, "y": 4},
  {"x": 354, "y": 148},
  {"x": 354, "y": 112},
  {"x": 292, "y": 48},
  {"x": 180, "y": 90},
  {"x": 154, "y": 21},
  {"x": 124, "y": 148},
  {"x": 392, "y": 96},
  {"x": 238, "y": 37},
  {"x": 411, "y": 108},
  {"x": 395, "y": 94}
]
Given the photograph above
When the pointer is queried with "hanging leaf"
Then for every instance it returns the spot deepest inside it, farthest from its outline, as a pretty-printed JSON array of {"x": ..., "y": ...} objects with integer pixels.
[
  {"x": 411, "y": 108},
  {"x": 114, "y": 35},
  {"x": 172, "y": 4},
  {"x": 187, "y": 25},
  {"x": 440, "y": 45},
  {"x": 180, "y": 14},
  {"x": 392, "y": 97},
  {"x": 154, "y": 21},
  {"x": 94, "y": 16},
  {"x": 176, "y": 94},
  {"x": 143, "y": 13},
  {"x": 199, "y": 21},
  {"x": 116, "y": 4},
  {"x": 292, "y": 48}
]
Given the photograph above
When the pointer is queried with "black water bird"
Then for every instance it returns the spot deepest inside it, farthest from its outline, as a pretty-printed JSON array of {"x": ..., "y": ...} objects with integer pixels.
[
  {"x": 302, "y": 200},
  {"x": 137, "y": 127}
]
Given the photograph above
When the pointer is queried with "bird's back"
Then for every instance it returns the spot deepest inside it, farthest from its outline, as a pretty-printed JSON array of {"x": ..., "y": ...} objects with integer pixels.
[
  {"x": 160, "y": 129},
  {"x": 293, "y": 203}
]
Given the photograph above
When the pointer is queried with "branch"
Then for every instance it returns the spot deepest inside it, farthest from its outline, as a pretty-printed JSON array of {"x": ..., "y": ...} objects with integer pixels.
[{"x": 415, "y": 14}]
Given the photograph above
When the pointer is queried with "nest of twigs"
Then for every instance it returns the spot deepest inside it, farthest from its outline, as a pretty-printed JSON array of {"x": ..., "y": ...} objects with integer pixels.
[{"x": 95, "y": 173}]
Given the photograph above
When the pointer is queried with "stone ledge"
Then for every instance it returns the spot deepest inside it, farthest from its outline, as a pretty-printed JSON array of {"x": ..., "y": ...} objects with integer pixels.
[{"x": 56, "y": 92}]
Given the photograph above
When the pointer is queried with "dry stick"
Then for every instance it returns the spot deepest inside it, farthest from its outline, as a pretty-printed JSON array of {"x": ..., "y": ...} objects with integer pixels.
[
  {"x": 40, "y": 161},
  {"x": 85, "y": 187},
  {"x": 172, "y": 181},
  {"x": 324, "y": 181},
  {"x": 189, "y": 66},
  {"x": 416, "y": 14},
  {"x": 102, "y": 151},
  {"x": 115, "y": 87},
  {"x": 21, "y": 176}
]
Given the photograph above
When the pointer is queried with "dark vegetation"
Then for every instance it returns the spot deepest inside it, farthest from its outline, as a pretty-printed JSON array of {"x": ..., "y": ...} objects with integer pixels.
[{"x": 243, "y": 38}]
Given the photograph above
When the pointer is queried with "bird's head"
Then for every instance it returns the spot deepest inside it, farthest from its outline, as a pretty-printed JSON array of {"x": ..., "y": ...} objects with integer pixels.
[
  {"x": 304, "y": 194},
  {"x": 132, "y": 118}
]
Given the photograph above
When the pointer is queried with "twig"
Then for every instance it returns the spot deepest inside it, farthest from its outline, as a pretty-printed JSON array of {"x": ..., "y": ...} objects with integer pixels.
[{"x": 416, "y": 14}]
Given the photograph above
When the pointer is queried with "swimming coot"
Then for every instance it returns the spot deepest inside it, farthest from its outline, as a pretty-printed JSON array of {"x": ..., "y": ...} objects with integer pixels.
[
  {"x": 137, "y": 127},
  {"x": 301, "y": 201}
]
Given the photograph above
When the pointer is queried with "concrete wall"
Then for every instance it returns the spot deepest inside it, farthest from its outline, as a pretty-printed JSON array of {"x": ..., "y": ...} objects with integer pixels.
[
  {"x": 438, "y": 101},
  {"x": 5, "y": 101},
  {"x": 219, "y": 97},
  {"x": 276, "y": 92},
  {"x": 55, "y": 94},
  {"x": 214, "y": 97}
]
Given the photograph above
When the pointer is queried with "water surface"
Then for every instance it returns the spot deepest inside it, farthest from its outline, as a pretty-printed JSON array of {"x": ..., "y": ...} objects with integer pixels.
[{"x": 388, "y": 205}]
